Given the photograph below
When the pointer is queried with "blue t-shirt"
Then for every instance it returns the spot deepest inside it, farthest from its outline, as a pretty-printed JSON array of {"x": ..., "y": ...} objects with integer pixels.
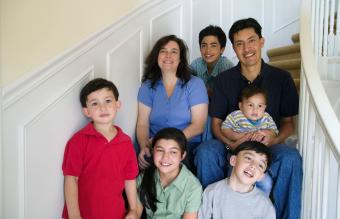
[{"x": 173, "y": 111}]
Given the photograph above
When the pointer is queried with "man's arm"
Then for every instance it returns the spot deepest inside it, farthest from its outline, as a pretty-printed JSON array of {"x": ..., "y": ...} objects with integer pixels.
[
  {"x": 216, "y": 128},
  {"x": 286, "y": 130}
]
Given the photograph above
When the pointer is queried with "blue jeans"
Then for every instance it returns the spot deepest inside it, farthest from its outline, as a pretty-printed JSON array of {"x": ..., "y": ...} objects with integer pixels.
[{"x": 286, "y": 170}]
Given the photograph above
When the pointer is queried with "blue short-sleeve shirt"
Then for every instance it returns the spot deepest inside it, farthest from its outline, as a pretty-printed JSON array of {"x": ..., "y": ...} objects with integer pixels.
[{"x": 173, "y": 111}]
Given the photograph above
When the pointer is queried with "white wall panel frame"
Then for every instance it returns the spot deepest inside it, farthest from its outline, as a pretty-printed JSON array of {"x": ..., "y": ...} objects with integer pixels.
[{"x": 22, "y": 135}]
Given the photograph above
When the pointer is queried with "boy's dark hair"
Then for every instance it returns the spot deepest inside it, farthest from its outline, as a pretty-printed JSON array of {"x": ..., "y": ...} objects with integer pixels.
[
  {"x": 147, "y": 190},
  {"x": 94, "y": 85},
  {"x": 243, "y": 24},
  {"x": 152, "y": 70},
  {"x": 252, "y": 90},
  {"x": 212, "y": 30},
  {"x": 256, "y": 146}
]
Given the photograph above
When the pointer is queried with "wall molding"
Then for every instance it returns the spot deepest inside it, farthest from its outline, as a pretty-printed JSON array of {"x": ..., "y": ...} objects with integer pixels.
[
  {"x": 86, "y": 75},
  {"x": 18, "y": 89}
]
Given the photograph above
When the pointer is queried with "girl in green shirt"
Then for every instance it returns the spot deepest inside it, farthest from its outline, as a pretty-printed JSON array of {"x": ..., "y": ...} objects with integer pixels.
[{"x": 167, "y": 189}]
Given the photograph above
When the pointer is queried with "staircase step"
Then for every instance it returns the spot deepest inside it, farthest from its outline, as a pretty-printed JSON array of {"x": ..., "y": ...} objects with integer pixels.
[
  {"x": 284, "y": 50},
  {"x": 286, "y": 56},
  {"x": 288, "y": 64},
  {"x": 296, "y": 38}
]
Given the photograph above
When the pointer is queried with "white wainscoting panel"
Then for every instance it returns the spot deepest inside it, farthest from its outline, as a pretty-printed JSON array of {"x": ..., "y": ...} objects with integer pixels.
[
  {"x": 41, "y": 111},
  {"x": 125, "y": 65}
]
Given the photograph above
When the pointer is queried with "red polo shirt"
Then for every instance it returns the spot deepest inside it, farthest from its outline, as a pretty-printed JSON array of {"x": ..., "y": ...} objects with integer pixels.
[{"x": 102, "y": 168}]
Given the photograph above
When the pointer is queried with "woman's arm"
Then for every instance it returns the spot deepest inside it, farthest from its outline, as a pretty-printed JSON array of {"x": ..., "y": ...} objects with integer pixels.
[
  {"x": 143, "y": 133},
  {"x": 199, "y": 114},
  {"x": 131, "y": 194},
  {"x": 71, "y": 196}
]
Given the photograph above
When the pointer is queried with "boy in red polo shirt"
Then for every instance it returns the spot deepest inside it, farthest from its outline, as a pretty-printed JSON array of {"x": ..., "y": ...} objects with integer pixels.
[{"x": 99, "y": 160}]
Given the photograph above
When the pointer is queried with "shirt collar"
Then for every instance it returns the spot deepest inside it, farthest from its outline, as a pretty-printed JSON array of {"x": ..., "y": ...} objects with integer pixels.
[
  {"x": 216, "y": 69},
  {"x": 259, "y": 78},
  {"x": 180, "y": 180},
  {"x": 91, "y": 131}
]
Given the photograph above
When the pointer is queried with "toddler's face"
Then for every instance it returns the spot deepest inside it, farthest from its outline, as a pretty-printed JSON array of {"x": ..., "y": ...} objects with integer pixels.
[{"x": 254, "y": 107}]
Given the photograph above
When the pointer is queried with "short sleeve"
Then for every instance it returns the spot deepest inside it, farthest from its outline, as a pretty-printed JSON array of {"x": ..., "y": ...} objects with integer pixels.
[
  {"x": 131, "y": 166},
  {"x": 194, "y": 198},
  {"x": 73, "y": 156},
  {"x": 228, "y": 123},
  {"x": 145, "y": 94},
  {"x": 205, "y": 211},
  {"x": 197, "y": 92}
]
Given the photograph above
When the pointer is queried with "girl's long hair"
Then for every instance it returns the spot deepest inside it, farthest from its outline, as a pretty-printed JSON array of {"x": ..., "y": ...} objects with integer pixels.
[
  {"x": 152, "y": 71},
  {"x": 147, "y": 190}
]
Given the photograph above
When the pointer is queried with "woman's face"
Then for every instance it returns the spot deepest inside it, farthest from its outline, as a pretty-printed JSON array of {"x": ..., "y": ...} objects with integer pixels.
[
  {"x": 169, "y": 57},
  {"x": 167, "y": 157}
]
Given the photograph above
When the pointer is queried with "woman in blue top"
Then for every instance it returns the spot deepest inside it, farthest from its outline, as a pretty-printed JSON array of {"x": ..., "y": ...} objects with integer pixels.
[{"x": 170, "y": 97}]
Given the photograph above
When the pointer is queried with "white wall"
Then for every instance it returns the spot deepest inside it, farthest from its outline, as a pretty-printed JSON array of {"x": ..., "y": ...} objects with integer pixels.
[
  {"x": 34, "y": 31},
  {"x": 41, "y": 111}
]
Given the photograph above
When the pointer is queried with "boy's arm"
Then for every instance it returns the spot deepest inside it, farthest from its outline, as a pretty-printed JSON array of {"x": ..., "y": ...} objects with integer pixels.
[
  {"x": 71, "y": 196},
  {"x": 131, "y": 194}
]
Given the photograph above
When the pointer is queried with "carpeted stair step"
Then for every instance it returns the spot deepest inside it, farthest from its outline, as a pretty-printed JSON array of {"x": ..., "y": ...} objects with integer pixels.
[
  {"x": 285, "y": 52},
  {"x": 287, "y": 64}
]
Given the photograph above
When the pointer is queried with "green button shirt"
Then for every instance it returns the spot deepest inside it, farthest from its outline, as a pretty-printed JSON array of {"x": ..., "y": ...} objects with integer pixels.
[{"x": 184, "y": 194}]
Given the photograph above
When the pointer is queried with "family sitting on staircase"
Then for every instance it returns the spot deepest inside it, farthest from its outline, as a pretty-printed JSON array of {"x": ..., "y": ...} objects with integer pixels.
[{"x": 236, "y": 154}]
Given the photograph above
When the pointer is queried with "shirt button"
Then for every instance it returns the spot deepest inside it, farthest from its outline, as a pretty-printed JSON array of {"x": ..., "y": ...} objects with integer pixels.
[{"x": 249, "y": 82}]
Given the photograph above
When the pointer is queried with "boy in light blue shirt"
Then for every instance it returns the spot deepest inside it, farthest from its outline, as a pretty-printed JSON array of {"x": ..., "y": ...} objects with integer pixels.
[{"x": 212, "y": 41}]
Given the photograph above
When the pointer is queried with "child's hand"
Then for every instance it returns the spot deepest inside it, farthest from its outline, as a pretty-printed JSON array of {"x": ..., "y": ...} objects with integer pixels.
[{"x": 132, "y": 214}]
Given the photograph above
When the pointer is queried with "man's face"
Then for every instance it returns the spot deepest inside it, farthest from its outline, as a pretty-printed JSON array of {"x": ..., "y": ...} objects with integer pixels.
[{"x": 247, "y": 46}]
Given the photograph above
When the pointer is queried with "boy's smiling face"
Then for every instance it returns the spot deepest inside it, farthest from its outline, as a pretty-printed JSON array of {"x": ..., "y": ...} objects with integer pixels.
[
  {"x": 101, "y": 106},
  {"x": 248, "y": 167},
  {"x": 211, "y": 50}
]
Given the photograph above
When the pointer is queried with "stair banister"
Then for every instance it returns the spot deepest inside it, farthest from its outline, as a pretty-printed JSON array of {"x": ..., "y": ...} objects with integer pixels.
[{"x": 319, "y": 138}]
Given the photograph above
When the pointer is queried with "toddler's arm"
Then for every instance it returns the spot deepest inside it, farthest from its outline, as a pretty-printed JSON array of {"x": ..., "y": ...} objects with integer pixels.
[
  {"x": 232, "y": 135},
  {"x": 131, "y": 194},
  {"x": 71, "y": 196}
]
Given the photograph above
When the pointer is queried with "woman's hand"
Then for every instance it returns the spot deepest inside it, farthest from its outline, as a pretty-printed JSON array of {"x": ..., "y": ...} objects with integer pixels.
[{"x": 144, "y": 153}]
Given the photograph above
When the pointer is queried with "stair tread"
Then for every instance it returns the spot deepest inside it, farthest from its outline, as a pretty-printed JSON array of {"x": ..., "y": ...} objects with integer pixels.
[
  {"x": 294, "y": 48},
  {"x": 287, "y": 64}
]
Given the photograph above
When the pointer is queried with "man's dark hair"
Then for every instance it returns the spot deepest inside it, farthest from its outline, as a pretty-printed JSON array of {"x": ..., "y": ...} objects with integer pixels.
[
  {"x": 252, "y": 90},
  {"x": 212, "y": 30},
  {"x": 256, "y": 146},
  {"x": 94, "y": 85},
  {"x": 244, "y": 24}
]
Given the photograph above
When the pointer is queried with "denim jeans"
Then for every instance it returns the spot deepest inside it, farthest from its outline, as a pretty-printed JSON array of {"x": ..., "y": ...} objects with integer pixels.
[{"x": 286, "y": 170}]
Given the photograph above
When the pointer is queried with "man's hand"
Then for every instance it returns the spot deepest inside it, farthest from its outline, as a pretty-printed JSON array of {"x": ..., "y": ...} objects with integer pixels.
[{"x": 269, "y": 137}]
